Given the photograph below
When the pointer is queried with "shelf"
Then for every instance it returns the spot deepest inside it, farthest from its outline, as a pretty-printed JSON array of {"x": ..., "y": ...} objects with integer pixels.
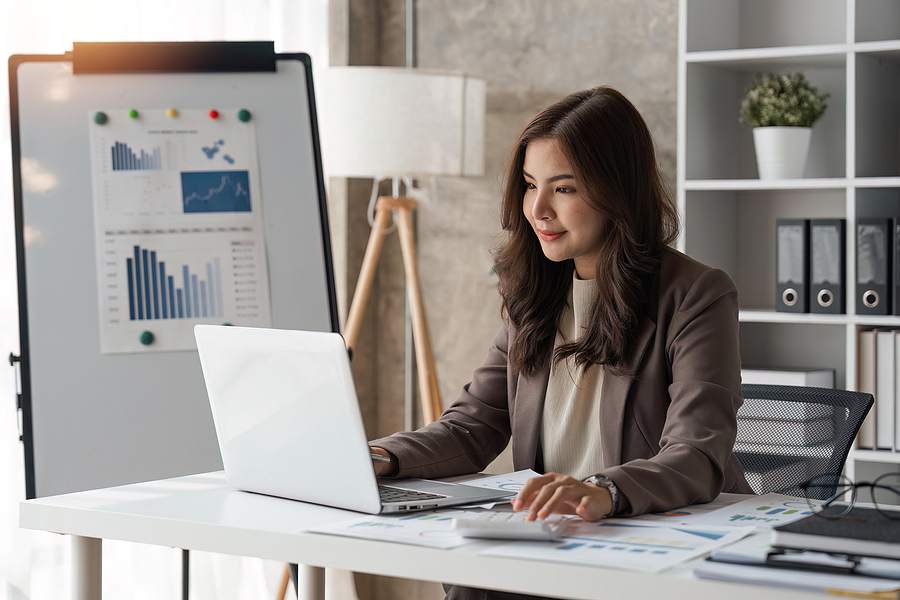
[
  {"x": 876, "y": 321},
  {"x": 883, "y": 456},
  {"x": 826, "y": 55},
  {"x": 773, "y": 59},
  {"x": 748, "y": 315},
  {"x": 847, "y": 48},
  {"x": 890, "y": 49},
  {"x": 819, "y": 183},
  {"x": 772, "y": 316},
  {"x": 876, "y": 182},
  {"x": 768, "y": 184}
]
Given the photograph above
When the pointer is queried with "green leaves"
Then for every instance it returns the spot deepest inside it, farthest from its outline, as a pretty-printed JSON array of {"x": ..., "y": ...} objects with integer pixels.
[{"x": 782, "y": 101}]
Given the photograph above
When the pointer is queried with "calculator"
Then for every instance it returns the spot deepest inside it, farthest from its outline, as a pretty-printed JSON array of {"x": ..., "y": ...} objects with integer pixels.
[{"x": 509, "y": 525}]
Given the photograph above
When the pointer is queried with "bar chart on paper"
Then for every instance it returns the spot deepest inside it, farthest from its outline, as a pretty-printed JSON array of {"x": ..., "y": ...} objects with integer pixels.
[
  {"x": 762, "y": 512},
  {"x": 154, "y": 294},
  {"x": 165, "y": 281},
  {"x": 642, "y": 547},
  {"x": 124, "y": 158}
]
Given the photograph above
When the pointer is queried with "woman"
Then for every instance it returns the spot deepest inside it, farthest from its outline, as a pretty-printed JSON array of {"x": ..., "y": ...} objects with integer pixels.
[{"x": 616, "y": 370}]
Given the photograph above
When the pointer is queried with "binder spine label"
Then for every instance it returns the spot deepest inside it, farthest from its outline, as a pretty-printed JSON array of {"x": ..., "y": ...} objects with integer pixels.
[
  {"x": 874, "y": 266},
  {"x": 827, "y": 266},
  {"x": 792, "y": 272}
]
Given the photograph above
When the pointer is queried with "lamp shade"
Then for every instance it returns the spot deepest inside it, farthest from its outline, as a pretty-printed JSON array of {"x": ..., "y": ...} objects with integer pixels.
[{"x": 388, "y": 122}]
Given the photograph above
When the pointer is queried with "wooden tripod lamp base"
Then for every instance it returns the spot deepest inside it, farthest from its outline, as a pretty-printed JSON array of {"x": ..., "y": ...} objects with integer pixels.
[{"x": 427, "y": 377}]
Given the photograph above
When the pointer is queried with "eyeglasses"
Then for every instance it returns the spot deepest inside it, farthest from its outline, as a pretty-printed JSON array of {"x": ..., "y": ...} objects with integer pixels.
[{"x": 833, "y": 496}]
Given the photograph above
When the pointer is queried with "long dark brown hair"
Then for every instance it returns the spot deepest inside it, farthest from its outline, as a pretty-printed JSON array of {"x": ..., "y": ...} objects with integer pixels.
[{"x": 607, "y": 143}]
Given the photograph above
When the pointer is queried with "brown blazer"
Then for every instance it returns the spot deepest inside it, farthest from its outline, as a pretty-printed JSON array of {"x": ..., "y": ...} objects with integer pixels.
[{"x": 667, "y": 433}]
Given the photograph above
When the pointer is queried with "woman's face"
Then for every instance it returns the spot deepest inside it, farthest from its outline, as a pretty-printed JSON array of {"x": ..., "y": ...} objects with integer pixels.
[{"x": 565, "y": 224}]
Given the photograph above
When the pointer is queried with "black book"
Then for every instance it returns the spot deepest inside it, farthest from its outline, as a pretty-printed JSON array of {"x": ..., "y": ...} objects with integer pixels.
[{"x": 863, "y": 532}]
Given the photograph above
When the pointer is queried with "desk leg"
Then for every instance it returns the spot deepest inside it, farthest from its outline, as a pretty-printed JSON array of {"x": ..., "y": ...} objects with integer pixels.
[
  {"x": 310, "y": 583},
  {"x": 87, "y": 568}
]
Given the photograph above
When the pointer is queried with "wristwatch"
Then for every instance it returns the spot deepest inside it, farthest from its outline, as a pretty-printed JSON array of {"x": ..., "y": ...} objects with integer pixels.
[{"x": 606, "y": 482}]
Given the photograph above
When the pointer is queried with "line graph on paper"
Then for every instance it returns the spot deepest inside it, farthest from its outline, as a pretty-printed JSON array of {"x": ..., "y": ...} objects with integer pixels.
[{"x": 215, "y": 191}]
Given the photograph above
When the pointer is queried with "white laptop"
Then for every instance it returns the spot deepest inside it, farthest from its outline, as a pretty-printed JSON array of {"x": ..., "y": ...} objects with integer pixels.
[{"x": 288, "y": 423}]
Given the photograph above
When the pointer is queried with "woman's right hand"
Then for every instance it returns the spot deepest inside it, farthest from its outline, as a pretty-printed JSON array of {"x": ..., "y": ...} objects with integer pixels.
[
  {"x": 383, "y": 469},
  {"x": 555, "y": 493}
]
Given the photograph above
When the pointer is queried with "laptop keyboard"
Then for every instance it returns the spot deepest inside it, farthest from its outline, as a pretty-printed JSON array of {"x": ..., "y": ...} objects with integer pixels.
[{"x": 391, "y": 494}]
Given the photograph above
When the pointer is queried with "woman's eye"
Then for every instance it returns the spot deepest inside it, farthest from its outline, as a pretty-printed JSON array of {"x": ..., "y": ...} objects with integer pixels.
[
  {"x": 565, "y": 190},
  {"x": 529, "y": 185}
]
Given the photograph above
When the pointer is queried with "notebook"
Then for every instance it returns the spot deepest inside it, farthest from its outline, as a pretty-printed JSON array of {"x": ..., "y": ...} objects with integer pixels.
[
  {"x": 864, "y": 532},
  {"x": 288, "y": 423}
]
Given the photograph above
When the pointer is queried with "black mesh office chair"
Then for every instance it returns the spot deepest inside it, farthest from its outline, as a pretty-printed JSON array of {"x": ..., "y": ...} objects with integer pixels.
[{"x": 787, "y": 434}]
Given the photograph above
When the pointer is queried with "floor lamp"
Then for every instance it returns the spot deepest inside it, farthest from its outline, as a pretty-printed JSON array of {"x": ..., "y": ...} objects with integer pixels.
[{"x": 400, "y": 123}]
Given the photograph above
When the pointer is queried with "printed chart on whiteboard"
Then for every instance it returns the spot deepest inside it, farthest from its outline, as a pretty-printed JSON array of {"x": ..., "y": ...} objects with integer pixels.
[{"x": 179, "y": 227}]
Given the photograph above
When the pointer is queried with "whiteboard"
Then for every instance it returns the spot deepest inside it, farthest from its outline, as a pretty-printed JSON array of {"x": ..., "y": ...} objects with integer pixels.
[{"x": 93, "y": 420}]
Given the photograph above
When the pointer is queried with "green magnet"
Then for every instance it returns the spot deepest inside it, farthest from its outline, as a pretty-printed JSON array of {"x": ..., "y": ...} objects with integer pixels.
[
  {"x": 244, "y": 115},
  {"x": 133, "y": 113},
  {"x": 146, "y": 337},
  {"x": 100, "y": 118}
]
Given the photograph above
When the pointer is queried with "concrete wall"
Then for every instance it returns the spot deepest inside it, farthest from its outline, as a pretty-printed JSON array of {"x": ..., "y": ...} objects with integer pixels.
[{"x": 531, "y": 53}]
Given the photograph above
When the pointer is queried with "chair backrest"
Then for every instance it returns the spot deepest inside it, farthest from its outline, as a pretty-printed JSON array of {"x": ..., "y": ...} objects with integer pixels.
[{"x": 787, "y": 434}]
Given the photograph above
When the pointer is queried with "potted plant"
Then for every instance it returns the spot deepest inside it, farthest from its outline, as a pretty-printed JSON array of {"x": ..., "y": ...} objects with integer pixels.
[{"x": 782, "y": 109}]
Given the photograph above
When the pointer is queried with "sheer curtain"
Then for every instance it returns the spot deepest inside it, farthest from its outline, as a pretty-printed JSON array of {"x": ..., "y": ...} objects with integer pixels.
[{"x": 35, "y": 565}]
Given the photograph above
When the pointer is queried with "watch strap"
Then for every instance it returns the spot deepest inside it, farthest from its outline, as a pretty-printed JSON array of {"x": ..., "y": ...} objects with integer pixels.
[{"x": 606, "y": 482}]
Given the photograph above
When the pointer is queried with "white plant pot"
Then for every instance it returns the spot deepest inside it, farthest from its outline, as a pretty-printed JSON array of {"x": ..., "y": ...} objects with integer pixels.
[{"x": 781, "y": 151}]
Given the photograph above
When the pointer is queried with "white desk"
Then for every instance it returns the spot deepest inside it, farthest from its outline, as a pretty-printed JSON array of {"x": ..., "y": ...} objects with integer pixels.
[{"x": 201, "y": 512}]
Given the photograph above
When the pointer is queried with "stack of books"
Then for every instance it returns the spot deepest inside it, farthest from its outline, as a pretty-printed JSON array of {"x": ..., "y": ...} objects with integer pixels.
[
  {"x": 879, "y": 358},
  {"x": 863, "y": 532},
  {"x": 823, "y": 378}
]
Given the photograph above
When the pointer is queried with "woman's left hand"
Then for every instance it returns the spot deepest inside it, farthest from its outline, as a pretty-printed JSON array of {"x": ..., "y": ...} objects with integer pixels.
[{"x": 555, "y": 493}]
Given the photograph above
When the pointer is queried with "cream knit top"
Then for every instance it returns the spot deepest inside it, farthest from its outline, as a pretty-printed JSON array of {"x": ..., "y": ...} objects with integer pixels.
[{"x": 570, "y": 428}]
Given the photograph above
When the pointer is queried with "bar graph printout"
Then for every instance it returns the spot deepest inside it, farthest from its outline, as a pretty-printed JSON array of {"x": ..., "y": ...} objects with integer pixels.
[
  {"x": 178, "y": 224},
  {"x": 637, "y": 546},
  {"x": 762, "y": 512}
]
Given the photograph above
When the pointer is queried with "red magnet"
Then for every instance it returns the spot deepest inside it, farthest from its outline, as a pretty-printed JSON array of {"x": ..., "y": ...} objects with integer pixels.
[{"x": 213, "y": 114}]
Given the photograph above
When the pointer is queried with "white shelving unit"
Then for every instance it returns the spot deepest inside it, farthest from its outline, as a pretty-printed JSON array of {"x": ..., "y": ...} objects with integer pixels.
[{"x": 849, "y": 48}]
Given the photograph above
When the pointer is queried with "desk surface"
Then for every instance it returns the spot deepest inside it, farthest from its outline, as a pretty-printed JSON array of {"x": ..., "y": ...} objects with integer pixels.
[{"x": 201, "y": 512}]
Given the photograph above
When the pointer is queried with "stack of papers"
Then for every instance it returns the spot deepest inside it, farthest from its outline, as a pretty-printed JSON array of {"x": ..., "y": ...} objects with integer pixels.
[
  {"x": 649, "y": 543},
  {"x": 753, "y": 560},
  {"x": 734, "y": 530}
]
